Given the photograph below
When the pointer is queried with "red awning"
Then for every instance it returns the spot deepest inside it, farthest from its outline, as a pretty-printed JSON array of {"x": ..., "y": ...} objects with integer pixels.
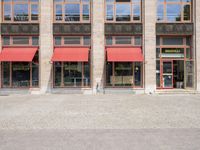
[
  {"x": 124, "y": 54},
  {"x": 18, "y": 54},
  {"x": 72, "y": 54}
]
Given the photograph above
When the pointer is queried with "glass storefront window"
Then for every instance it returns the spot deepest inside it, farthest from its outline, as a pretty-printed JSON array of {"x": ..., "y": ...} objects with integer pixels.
[
  {"x": 124, "y": 74},
  {"x": 6, "y": 74},
  {"x": 71, "y": 74}
]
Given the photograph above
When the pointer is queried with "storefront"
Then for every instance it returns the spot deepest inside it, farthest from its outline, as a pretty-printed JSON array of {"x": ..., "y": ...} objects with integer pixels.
[
  {"x": 175, "y": 63},
  {"x": 19, "y": 62},
  {"x": 71, "y": 61},
  {"x": 124, "y": 61}
]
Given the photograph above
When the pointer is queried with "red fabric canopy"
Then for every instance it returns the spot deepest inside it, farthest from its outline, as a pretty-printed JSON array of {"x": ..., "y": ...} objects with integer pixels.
[
  {"x": 124, "y": 54},
  {"x": 18, "y": 54},
  {"x": 72, "y": 54}
]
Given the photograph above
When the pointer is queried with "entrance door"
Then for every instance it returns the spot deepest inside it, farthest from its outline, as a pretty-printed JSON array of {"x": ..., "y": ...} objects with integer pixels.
[{"x": 167, "y": 74}]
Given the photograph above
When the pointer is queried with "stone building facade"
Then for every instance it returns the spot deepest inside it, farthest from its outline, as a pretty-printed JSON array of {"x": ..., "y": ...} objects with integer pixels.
[{"x": 99, "y": 46}]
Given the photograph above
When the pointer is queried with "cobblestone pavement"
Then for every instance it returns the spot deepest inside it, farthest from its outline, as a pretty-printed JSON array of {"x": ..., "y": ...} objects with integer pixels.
[{"x": 118, "y": 122}]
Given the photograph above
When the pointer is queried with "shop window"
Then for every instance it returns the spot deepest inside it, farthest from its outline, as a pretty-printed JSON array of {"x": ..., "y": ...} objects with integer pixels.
[
  {"x": 174, "y": 11},
  {"x": 72, "y": 10},
  {"x": 71, "y": 74},
  {"x": 123, "y": 10},
  {"x": 20, "y": 10},
  {"x": 124, "y": 74},
  {"x": 6, "y": 40}
]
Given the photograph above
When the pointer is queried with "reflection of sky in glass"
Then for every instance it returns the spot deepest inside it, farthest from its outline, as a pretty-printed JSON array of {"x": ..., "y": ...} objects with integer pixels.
[
  {"x": 59, "y": 9},
  {"x": 72, "y": 9},
  {"x": 21, "y": 9},
  {"x": 7, "y": 10},
  {"x": 173, "y": 12},
  {"x": 34, "y": 9},
  {"x": 123, "y": 9}
]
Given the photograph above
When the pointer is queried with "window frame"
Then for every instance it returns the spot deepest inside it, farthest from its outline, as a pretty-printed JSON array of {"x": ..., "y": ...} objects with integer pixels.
[
  {"x": 63, "y": 3},
  {"x": 131, "y": 11},
  {"x": 12, "y": 4},
  {"x": 71, "y": 45},
  {"x": 182, "y": 3},
  {"x": 30, "y": 38}
]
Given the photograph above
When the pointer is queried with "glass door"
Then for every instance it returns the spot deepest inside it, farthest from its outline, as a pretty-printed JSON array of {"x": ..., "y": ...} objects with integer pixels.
[{"x": 167, "y": 74}]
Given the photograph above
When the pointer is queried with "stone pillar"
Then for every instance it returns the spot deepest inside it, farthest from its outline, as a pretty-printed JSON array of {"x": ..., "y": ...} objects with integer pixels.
[
  {"x": 98, "y": 47},
  {"x": 197, "y": 33},
  {"x": 46, "y": 44},
  {"x": 150, "y": 45}
]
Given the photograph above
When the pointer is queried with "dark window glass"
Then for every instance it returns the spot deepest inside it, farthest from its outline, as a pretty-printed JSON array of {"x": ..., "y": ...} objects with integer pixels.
[
  {"x": 138, "y": 40},
  {"x": 109, "y": 40},
  {"x": 72, "y": 40},
  {"x": 35, "y": 41},
  {"x": 20, "y": 74},
  {"x": 72, "y": 74},
  {"x": 173, "y": 41},
  {"x": 86, "y": 40},
  {"x": 21, "y": 40},
  {"x": 109, "y": 74},
  {"x": 123, "y": 40},
  {"x": 6, "y": 74},
  {"x": 35, "y": 70},
  {"x": 57, "y": 40},
  {"x": 138, "y": 74},
  {"x": 186, "y": 12},
  {"x": 123, "y": 74},
  {"x": 158, "y": 73},
  {"x": 6, "y": 40},
  {"x": 86, "y": 79},
  {"x": 57, "y": 73}
]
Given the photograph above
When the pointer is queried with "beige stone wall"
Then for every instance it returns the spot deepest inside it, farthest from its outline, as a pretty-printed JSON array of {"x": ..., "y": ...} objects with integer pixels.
[
  {"x": 150, "y": 45},
  {"x": 197, "y": 9},
  {"x": 46, "y": 44},
  {"x": 98, "y": 48}
]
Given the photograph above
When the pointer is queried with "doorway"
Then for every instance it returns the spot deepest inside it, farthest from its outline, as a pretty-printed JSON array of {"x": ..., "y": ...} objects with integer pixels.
[{"x": 172, "y": 74}]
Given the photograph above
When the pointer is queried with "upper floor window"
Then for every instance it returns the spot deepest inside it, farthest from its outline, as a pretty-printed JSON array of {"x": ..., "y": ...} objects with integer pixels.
[
  {"x": 20, "y": 41},
  {"x": 174, "y": 10},
  {"x": 72, "y": 41},
  {"x": 123, "y": 10},
  {"x": 72, "y": 10},
  {"x": 20, "y": 10},
  {"x": 123, "y": 40}
]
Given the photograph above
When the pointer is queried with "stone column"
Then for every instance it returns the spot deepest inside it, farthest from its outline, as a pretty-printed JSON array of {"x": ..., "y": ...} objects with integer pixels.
[
  {"x": 98, "y": 48},
  {"x": 150, "y": 45},
  {"x": 197, "y": 33},
  {"x": 46, "y": 44}
]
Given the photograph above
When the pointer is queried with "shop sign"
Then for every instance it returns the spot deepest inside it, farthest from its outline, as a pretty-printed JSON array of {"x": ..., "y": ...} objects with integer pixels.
[{"x": 173, "y": 53}]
